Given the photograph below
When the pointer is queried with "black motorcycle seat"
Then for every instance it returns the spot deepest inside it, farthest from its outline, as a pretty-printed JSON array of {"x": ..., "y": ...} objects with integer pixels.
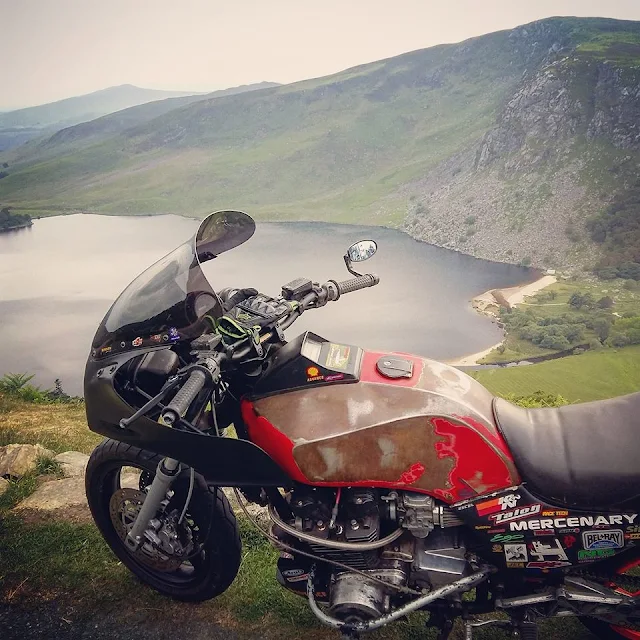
[{"x": 581, "y": 456}]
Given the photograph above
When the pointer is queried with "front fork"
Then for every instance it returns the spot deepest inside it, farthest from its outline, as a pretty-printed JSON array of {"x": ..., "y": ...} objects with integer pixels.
[{"x": 167, "y": 471}]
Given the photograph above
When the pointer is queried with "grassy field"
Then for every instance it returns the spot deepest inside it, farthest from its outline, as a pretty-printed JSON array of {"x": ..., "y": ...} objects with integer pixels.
[
  {"x": 69, "y": 564},
  {"x": 590, "y": 376}
]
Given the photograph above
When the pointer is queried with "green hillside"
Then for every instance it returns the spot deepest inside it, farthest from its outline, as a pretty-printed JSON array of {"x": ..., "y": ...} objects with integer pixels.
[
  {"x": 419, "y": 141},
  {"x": 85, "y": 134},
  {"x": 594, "y": 375}
]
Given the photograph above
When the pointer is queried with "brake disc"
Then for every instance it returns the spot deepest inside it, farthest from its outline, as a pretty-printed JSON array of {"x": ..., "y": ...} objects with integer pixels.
[{"x": 124, "y": 507}]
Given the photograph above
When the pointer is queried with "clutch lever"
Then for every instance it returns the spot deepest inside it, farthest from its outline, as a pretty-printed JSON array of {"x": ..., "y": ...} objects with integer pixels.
[{"x": 125, "y": 422}]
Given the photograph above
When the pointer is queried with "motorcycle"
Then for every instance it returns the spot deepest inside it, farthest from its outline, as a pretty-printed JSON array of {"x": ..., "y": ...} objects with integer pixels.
[{"x": 392, "y": 483}]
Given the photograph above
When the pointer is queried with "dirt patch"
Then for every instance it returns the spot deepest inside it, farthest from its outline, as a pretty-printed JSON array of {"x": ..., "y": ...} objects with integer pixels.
[{"x": 76, "y": 514}]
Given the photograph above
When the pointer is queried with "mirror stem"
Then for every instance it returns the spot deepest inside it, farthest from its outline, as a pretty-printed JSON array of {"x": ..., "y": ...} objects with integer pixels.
[{"x": 349, "y": 267}]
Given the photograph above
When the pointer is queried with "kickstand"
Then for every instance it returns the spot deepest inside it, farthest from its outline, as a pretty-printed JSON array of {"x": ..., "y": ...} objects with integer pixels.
[{"x": 470, "y": 625}]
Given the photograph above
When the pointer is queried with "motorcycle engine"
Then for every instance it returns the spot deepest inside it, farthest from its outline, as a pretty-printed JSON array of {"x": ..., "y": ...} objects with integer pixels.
[{"x": 428, "y": 555}]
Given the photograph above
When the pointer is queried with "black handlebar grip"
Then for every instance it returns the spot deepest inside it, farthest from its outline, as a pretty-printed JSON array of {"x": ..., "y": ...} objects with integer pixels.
[
  {"x": 183, "y": 399},
  {"x": 361, "y": 282}
]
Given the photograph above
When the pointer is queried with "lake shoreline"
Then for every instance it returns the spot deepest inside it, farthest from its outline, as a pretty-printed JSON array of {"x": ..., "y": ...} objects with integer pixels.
[
  {"x": 26, "y": 225},
  {"x": 52, "y": 214},
  {"x": 513, "y": 296}
]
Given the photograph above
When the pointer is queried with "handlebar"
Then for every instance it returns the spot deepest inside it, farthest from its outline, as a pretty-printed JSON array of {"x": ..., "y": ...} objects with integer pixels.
[
  {"x": 354, "y": 284},
  {"x": 183, "y": 399}
]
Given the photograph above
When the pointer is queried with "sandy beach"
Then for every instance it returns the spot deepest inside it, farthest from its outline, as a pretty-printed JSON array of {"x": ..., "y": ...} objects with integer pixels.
[{"x": 514, "y": 296}]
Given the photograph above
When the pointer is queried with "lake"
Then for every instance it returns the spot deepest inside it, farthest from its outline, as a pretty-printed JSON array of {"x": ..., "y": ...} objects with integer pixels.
[{"x": 59, "y": 277}]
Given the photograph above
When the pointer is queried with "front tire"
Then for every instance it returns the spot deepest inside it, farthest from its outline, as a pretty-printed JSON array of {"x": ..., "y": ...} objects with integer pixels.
[{"x": 210, "y": 524}]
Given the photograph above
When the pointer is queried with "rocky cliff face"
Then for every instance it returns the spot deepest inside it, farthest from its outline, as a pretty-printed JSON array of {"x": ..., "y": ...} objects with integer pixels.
[{"x": 564, "y": 142}]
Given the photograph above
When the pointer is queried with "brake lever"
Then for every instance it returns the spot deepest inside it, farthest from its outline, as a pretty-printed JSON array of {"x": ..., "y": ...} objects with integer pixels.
[{"x": 155, "y": 401}]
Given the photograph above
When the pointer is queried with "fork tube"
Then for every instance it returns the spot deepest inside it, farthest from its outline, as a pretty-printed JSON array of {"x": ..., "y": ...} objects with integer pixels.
[{"x": 166, "y": 473}]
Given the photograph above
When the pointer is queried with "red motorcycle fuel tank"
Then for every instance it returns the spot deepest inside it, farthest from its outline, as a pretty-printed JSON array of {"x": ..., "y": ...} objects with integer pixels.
[{"x": 398, "y": 421}]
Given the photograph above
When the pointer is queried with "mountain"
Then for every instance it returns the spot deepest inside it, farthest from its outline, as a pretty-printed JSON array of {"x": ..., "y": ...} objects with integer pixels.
[
  {"x": 503, "y": 146},
  {"x": 16, "y": 127},
  {"x": 90, "y": 132}
]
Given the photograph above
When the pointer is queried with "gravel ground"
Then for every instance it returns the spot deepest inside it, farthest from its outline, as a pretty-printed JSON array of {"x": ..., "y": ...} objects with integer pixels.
[{"x": 47, "y": 621}]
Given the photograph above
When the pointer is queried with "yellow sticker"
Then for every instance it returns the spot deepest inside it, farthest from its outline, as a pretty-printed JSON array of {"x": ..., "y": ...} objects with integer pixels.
[{"x": 338, "y": 357}]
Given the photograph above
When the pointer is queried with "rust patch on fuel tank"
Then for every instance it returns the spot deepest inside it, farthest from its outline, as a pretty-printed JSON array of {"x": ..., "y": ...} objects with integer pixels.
[
  {"x": 439, "y": 455},
  {"x": 364, "y": 455}
]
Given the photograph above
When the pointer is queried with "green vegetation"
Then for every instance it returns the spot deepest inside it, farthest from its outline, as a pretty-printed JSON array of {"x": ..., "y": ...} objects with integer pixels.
[
  {"x": 17, "y": 385},
  {"x": 621, "y": 47},
  {"x": 10, "y": 220},
  {"x": 340, "y": 148},
  {"x": 591, "y": 376},
  {"x": 568, "y": 314},
  {"x": 617, "y": 229}
]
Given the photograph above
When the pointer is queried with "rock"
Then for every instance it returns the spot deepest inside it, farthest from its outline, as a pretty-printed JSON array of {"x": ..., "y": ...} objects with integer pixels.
[
  {"x": 56, "y": 494},
  {"x": 4, "y": 485},
  {"x": 256, "y": 511},
  {"x": 73, "y": 463},
  {"x": 18, "y": 459}
]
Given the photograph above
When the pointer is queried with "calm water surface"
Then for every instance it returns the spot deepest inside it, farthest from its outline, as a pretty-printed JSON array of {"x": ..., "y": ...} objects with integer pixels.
[{"x": 59, "y": 277}]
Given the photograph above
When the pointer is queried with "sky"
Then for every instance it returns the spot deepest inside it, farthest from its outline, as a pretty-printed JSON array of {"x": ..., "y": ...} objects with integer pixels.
[{"x": 54, "y": 49}]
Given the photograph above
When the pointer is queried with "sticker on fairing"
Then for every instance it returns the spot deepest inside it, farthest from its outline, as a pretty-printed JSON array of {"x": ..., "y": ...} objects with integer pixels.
[
  {"x": 603, "y": 539},
  {"x": 338, "y": 356},
  {"x": 515, "y": 553}
]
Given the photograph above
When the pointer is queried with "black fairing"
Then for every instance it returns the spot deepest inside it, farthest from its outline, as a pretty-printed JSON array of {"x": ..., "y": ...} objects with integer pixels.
[
  {"x": 164, "y": 308},
  {"x": 222, "y": 461}
]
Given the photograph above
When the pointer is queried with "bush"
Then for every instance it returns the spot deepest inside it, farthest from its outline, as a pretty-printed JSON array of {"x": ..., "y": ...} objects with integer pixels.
[
  {"x": 470, "y": 220},
  {"x": 579, "y": 300},
  {"x": 559, "y": 343},
  {"x": 538, "y": 399},
  {"x": 625, "y": 331},
  {"x": 17, "y": 385},
  {"x": 617, "y": 339},
  {"x": 631, "y": 285},
  {"x": 602, "y": 328},
  {"x": 605, "y": 303}
]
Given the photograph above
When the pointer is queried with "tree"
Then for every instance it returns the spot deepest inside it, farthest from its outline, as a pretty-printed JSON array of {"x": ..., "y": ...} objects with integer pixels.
[
  {"x": 576, "y": 300},
  {"x": 579, "y": 300},
  {"x": 618, "y": 340},
  {"x": 574, "y": 332},
  {"x": 602, "y": 328},
  {"x": 559, "y": 343},
  {"x": 605, "y": 303}
]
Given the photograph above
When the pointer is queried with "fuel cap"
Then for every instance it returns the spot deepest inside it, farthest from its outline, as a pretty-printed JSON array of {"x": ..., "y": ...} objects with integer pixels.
[{"x": 394, "y": 367}]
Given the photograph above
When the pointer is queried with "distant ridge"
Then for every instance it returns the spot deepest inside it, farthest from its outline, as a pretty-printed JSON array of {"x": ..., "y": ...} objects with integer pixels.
[
  {"x": 506, "y": 146},
  {"x": 21, "y": 125}
]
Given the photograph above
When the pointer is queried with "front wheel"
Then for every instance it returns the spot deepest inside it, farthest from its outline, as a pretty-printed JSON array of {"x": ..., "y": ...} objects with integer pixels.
[{"x": 193, "y": 559}]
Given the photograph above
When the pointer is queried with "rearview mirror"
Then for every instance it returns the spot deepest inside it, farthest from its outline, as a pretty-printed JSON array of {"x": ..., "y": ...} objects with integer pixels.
[{"x": 362, "y": 250}]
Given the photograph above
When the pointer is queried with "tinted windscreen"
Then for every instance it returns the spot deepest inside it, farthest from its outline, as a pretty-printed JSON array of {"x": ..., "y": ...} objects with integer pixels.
[{"x": 170, "y": 300}]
